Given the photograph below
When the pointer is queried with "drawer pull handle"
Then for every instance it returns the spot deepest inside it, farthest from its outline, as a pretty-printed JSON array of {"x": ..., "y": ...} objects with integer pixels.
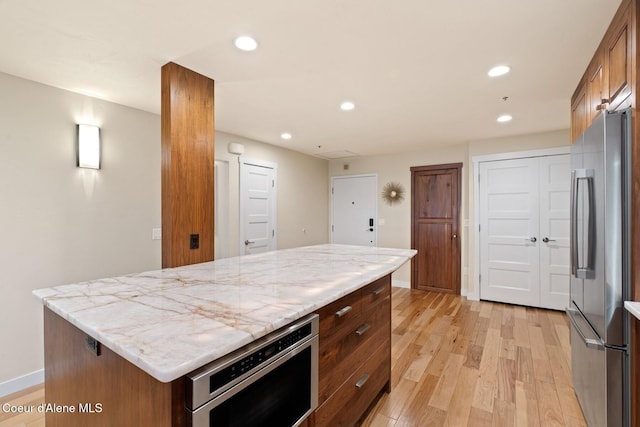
[
  {"x": 362, "y": 381},
  {"x": 362, "y": 329},
  {"x": 378, "y": 291},
  {"x": 343, "y": 311}
]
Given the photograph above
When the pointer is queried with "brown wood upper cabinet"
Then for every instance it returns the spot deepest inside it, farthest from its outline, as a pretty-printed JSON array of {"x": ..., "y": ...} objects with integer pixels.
[
  {"x": 607, "y": 82},
  {"x": 579, "y": 110},
  {"x": 618, "y": 58}
]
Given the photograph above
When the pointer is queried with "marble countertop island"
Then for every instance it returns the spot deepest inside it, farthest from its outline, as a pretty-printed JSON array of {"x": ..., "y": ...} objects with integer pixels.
[
  {"x": 633, "y": 307},
  {"x": 172, "y": 321}
]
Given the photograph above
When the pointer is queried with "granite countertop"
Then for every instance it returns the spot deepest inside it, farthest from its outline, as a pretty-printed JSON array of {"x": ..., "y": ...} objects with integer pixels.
[
  {"x": 172, "y": 321},
  {"x": 633, "y": 307}
]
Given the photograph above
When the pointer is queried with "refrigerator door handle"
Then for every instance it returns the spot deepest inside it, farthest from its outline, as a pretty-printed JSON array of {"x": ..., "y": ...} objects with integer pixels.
[
  {"x": 583, "y": 271},
  {"x": 589, "y": 342},
  {"x": 573, "y": 229}
]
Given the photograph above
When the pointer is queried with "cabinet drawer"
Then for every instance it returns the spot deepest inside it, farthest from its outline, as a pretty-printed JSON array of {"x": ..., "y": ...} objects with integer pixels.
[
  {"x": 340, "y": 315},
  {"x": 375, "y": 293},
  {"x": 348, "y": 404},
  {"x": 339, "y": 358}
]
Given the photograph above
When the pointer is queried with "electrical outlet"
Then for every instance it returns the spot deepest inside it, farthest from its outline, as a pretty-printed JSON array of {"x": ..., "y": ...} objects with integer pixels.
[{"x": 194, "y": 241}]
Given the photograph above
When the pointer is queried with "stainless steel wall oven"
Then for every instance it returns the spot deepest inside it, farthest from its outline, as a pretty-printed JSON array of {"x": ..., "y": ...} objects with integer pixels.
[{"x": 272, "y": 382}]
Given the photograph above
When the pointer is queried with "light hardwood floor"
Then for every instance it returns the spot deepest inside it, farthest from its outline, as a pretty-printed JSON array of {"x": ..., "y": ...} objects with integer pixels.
[
  {"x": 465, "y": 363},
  {"x": 456, "y": 363}
]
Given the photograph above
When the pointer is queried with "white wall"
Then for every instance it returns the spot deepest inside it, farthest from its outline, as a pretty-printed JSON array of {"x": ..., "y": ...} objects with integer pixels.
[
  {"x": 396, "y": 232},
  {"x": 61, "y": 224},
  {"x": 303, "y": 192}
]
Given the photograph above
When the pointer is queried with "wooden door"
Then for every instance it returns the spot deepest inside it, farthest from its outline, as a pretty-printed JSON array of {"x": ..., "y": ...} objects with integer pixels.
[{"x": 435, "y": 207}]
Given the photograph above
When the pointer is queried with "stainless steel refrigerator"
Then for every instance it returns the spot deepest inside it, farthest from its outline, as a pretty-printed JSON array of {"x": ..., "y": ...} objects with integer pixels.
[{"x": 600, "y": 212}]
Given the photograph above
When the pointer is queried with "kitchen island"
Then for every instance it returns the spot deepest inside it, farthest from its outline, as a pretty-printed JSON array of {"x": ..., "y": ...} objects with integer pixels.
[{"x": 126, "y": 343}]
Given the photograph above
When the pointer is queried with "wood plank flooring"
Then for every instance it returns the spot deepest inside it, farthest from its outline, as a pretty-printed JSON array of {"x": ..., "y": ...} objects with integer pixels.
[
  {"x": 455, "y": 363},
  {"x": 468, "y": 363}
]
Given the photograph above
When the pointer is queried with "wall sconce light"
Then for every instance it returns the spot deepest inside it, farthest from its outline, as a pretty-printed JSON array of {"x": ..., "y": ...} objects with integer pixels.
[{"x": 88, "y": 147}]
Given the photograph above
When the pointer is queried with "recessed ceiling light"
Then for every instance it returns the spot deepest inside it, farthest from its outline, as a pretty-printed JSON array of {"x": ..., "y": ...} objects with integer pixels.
[
  {"x": 347, "y": 106},
  {"x": 499, "y": 70},
  {"x": 286, "y": 135},
  {"x": 246, "y": 43},
  {"x": 504, "y": 118}
]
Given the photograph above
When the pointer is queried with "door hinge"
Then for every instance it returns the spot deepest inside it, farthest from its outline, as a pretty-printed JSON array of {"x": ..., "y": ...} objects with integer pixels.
[
  {"x": 331, "y": 190},
  {"x": 273, "y": 182},
  {"x": 479, "y": 226},
  {"x": 479, "y": 278},
  {"x": 332, "y": 228},
  {"x": 273, "y": 233}
]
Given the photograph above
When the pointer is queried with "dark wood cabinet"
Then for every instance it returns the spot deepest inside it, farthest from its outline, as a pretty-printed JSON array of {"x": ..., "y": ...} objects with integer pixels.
[
  {"x": 618, "y": 58},
  {"x": 579, "y": 110},
  {"x": 608, "y": 81},
  {"x": 355, "y": 354},
  {"x": 596, "y": 89}
]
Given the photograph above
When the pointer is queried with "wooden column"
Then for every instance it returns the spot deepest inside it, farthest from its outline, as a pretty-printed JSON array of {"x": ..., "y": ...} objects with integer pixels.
[{"x": 187, "y": 167}]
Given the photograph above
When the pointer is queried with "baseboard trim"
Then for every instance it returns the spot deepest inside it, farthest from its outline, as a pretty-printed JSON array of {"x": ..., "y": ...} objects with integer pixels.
[
  {"x": 472, "y": 296},
  {"x": 401, "y": 284},
  {"x": 21, "y": 383}
]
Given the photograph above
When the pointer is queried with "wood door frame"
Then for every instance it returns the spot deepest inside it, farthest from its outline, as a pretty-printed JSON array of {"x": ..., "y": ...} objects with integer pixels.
[
  {"x": 475, "y": 161},
  {"x": 414, "y": 237}
]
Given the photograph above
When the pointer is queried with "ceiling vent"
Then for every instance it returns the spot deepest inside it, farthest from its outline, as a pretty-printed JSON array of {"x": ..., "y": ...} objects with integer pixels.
[{"x": 333, "y": 155}]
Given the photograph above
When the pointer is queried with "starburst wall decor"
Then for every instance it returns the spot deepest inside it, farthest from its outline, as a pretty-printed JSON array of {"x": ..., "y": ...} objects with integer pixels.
[{"x": 393, "y": 192}]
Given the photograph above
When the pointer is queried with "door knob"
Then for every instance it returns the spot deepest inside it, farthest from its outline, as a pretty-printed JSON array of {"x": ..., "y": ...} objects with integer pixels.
[
  {"x": 455, "y": 236},
  {"x": 547, "y": 240},
  {"x": 532, "y": 239},
  {"x": 248, "y": 242}
]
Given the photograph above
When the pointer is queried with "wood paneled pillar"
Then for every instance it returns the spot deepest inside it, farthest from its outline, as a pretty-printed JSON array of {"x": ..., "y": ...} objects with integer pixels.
[{"x": 187, "y": 167}]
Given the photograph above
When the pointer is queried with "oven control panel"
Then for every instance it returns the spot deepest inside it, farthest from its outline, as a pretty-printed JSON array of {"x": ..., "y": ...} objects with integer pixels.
[
  {"x": 215, "y": 378},
  {"x": 252, "y": 360}
]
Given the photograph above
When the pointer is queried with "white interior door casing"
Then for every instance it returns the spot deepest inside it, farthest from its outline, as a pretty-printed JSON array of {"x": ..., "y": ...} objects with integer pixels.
[
  {"x": 221, "y": 203},
  {"x": 258, "y": 191},
  {"x": 524, "y": 229},
  {"x": 509, "y": 220},
  {"x": 354, "y": 210}
]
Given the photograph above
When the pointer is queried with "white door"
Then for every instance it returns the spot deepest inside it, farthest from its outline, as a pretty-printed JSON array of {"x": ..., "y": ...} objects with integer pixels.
[
  {"x": 555, "y": 183},
  {"x": 257, "y": 206},
  {"x": 353, "y": 210},
  {"x": 524, "y": 231},
  {"x": 509, "y": 229}
]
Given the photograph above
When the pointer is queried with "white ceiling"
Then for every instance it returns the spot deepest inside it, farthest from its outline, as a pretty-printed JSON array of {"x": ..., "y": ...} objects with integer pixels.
[{"x": 416, "y": 69}]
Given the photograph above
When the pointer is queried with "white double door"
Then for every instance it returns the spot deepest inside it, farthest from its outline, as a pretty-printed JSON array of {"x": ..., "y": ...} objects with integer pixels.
[{"x": 524, "y": 231}]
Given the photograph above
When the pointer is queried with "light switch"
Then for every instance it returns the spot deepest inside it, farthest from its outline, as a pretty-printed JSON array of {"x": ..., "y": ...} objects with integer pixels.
[{"x": 156, "y": 234}]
